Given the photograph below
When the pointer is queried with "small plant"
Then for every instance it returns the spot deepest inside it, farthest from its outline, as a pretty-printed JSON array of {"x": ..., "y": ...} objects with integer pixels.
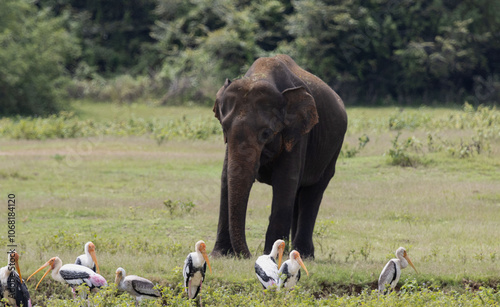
[
  {"x": 61, "y": 240},
  {"x": 410, "y": 286},
  {"x": 400, "y": 152},
  {"x": 59, "y": 158},
  {"x": 366, "y": 250},
  {"x": 479, "y": 256},
  {"x": 407, "y": 120},
  {"x": 351, "y": 253},
  {"x": 178, "y": 208},
  {"x": 352, "y": 152},
  {"x": 467, "y": 150},
  {"x": 321, "y": 228}
]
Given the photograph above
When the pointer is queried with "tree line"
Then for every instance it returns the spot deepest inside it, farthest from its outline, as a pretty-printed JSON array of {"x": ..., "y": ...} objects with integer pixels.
[{"x": 371, "y": 52}]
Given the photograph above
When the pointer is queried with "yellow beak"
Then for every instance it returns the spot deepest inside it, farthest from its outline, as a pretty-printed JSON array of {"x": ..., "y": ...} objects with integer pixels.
[
  {"x": 18, "y": 269},
  {"x": 94, "y": 258},
  {"x": 204, "y": 253},
  {"x": 409, "y": 261},
  {"x": 41, "y": 268},
  {"x": 299, "y": 260},
  {"x": 281, "y": 249}
]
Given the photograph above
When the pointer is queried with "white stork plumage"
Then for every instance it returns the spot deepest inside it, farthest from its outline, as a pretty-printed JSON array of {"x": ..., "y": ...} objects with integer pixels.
[
  {"x": 12, "y": 286},
  {"x": 194, "y": 269},
  {"x": 289, "y": 273},
  {"x": 136, "y": 286},
  {"x": 392, "y": 271},
  {"x": 89, "y": 259},
  {"x": 71, "y": 274},
  {"x": 266, "y": 268}
]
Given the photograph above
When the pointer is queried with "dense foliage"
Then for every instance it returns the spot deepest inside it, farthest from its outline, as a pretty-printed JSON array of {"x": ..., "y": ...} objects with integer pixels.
[
  {"x": 371, "y": 52},
  {"x": 412, "y": 294},
  {"x": 34, "y": 50}
]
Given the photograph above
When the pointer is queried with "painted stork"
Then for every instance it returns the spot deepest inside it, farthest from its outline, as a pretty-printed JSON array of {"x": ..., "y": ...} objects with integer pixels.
[
  {"x": 12, "y": 286},
  {"x": 392, "y": 270},
  {"x": 289, "y": 272},
  {"x": 194, "y": 270},
  {"x": 136, "y": 286},
  {"x": 266, "y": 267},
  {"x": 89, "y": 259},
  {"x": 71, "y": 274}
]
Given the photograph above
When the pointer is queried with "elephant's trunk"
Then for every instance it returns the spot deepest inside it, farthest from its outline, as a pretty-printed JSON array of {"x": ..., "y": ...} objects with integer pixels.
[{"x": 242, "y": 166}]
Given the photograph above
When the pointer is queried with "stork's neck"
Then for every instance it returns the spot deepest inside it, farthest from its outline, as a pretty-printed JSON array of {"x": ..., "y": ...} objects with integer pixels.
[
  {"x": 200, "y": 256},
  {"x": 403, "y": 262},
  {"x": 121, "y": 282},
  {"x": 55, "y": 270},
  {"x": 274, "y": 252}
]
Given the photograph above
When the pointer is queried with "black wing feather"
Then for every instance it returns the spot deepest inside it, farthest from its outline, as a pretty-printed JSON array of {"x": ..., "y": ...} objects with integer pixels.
[
  {"x": 20, "y": 291},
  {"x": 137, "y": 288},
  {"x": 395, "y": 272},
  {"x": 72, "y": 275},
  {"x": 189, "y": 267},
  {"x": 285, "y": 271},
  {"x": 259, "y": 271}
]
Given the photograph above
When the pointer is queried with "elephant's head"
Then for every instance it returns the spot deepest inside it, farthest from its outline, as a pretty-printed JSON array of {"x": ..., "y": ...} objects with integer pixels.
[{"x": 259, "y": 123}]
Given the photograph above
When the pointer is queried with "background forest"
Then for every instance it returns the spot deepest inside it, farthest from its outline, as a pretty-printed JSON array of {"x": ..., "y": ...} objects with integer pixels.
[{"x": 372, "y": 52}]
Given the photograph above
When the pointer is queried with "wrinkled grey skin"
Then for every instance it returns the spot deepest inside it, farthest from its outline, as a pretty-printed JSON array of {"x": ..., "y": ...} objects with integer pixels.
[{"x": 283, "y": 126}]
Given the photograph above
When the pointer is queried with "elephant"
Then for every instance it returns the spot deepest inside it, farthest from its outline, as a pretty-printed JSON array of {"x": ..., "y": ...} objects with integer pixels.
[{"x": 284, "y": 127}]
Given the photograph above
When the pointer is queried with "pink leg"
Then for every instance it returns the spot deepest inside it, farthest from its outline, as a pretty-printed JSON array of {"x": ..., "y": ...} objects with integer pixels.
[{"x": 201, "y": 305}]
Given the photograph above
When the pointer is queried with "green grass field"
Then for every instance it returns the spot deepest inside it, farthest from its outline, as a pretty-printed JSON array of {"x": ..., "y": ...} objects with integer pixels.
[{"x": 145, "y": 201}]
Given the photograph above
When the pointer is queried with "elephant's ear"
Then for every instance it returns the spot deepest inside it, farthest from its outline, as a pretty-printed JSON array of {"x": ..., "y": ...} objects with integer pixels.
[
  {"x": 217, "y": 98},
  {"x": 301, "y": 115},
  {"x": 216, "y": 108}
]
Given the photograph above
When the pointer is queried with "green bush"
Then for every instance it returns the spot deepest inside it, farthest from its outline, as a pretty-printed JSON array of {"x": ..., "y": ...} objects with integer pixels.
[
  {"x": 400, "y": 153},
  {"x": 33, "y": 53},
  {"x": 66, "y": 125}
]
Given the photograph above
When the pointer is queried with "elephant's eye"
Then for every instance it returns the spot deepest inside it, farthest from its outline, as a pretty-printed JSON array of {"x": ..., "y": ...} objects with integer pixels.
[{"x": 265, "y": 134}]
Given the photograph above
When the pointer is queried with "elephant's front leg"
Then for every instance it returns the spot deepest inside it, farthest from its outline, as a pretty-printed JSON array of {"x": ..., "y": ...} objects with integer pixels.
[{"x": 223, "y": 242}]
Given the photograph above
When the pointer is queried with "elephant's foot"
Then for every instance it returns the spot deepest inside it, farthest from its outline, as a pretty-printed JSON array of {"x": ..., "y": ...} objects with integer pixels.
[
  {"x": 240, "y": 249},
  {"x": 218, "y": 252},
  {"x": 306, "y": 250},
  {"x": 244, "y": 254},
  {"x": 221, "y": 253},
  {"x": 221, "y": 250},
  {"x": 307, "y": 255}
]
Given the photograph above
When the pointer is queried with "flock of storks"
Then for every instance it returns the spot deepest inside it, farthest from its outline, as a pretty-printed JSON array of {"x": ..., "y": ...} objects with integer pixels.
[{"x": 86, "y": 271}]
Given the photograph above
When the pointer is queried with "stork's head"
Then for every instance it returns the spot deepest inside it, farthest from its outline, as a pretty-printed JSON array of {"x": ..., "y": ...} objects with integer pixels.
[
  {"x": 14, "y": 260},
  {"x": 52, "y": 263},
  {"x": 295, "y": 255},
  {"x": 202, "y": 248},
  {"x": 120, "y": 274},
  {"x": 277, "y": 250},
  {"x": 90, "y": 248},
  {"x": 401, "y": 253}
]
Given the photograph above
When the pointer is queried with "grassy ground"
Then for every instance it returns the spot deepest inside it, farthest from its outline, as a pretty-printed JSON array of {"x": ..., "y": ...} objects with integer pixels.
[{"x": 113, "y": 190}]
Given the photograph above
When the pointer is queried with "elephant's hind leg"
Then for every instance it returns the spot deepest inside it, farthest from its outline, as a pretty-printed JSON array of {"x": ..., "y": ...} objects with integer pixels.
[
  {"x": 295, "y": 216},
  {"x": 305, "y": 212}
]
